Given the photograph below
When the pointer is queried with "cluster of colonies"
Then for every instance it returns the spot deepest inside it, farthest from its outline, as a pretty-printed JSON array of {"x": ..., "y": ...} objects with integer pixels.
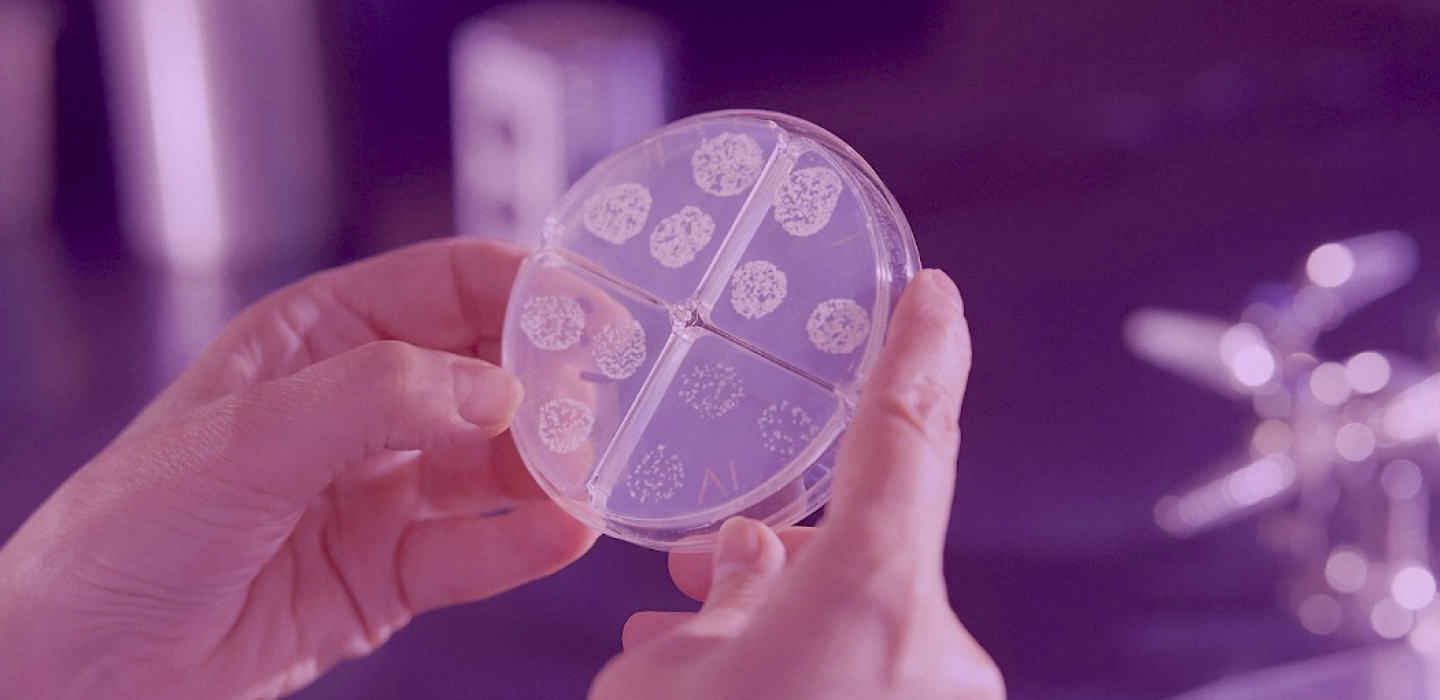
[
  {"x": 657, "y": 477},
  {"x": 557, "y": 322},
  {"x": 712, "y": 389},
  {"x": 724, "y": 166}
]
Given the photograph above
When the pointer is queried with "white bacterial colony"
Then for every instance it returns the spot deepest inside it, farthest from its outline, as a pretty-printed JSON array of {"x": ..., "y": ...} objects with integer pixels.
[
  {"x": 757, "y": 288},
  {"x": 552, "y": 322},
  {"x": 727, "y": 164},
  {"x": 785, "y": 428},
  {"x": 619, "y": 348},
  {"x": 680, "y": 236},
  {"x": 837, "y": 326},
  {"x": 618, "y": 212},
  {"x": 657, "y": 477},
  {"x": 565, "y": 424},
  {"x": 712, "y": 389},
  {"x": 807, "y": 199}
]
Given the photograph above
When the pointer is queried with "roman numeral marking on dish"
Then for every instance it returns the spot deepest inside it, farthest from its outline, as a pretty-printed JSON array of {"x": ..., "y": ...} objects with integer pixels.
[{"x": 712, "y": 478}]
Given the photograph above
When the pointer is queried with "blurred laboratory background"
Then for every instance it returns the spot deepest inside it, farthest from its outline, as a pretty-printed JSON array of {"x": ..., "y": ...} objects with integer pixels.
[{"x": 1199, "y": 243}]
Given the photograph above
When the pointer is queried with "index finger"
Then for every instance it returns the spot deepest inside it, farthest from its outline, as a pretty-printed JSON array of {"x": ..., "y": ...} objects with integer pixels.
[
  {"x": 895, "y": 474},
  {"x": 446, "y": 294}
]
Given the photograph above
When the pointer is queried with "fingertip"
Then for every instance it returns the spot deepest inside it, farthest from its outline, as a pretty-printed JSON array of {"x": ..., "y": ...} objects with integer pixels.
[
  {"x": 943, "y": 287},
  {"x": 932, "y": 312},
  {"x": 747, "y": 562},
  {"x": 928, "y": 337},
  {"x": 691, "y": 573},
  {"x": 738, "y": 546},
  {"x": 748, "y": 557},
  {"x": 647, "y": 625}
]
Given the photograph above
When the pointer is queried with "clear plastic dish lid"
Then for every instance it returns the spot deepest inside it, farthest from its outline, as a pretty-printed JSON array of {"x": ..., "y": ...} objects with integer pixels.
[{"x": 697, "y": 324}]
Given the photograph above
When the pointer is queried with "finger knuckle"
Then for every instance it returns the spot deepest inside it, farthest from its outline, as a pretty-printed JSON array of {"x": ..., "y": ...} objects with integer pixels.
[
  {"x": 392, "y": 367},
  {"x": 394, "y": 378},
  {"x": 744, "y": 598},
  {"x": 925, "y": 406}
]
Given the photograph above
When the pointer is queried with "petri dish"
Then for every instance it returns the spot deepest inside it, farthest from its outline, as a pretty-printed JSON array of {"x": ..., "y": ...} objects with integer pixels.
[{"x": 697, "y": 324}]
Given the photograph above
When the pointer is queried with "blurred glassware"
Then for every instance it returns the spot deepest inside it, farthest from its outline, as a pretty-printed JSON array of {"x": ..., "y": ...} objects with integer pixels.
[
  {"x": 220, "y": 131},
  {"x": 223, "y": 159},
  {"x": 541, "y": 91}
]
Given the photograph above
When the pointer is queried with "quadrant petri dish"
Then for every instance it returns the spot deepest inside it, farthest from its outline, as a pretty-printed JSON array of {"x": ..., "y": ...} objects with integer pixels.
[{"x": 698, "y": 323}]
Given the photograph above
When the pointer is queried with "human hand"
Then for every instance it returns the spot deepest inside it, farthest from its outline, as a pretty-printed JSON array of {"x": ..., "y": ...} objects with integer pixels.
[
  {"x": 332, "y": 466},
  {"x": 858, "y": 607}
]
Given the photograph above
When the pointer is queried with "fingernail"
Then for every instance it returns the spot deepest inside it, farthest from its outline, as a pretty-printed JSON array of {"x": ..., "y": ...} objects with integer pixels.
[
  {"x": 946, "y": 287},
  {"x": 737, "y": 547},
  {"x": 485, "y": 394}
]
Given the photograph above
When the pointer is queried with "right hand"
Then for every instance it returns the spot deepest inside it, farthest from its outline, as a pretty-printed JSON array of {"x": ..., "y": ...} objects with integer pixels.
[{"x": 858, "y": 607}]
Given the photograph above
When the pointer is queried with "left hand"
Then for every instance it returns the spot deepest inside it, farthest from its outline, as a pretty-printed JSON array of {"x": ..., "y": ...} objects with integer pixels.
[{"x": 332, "y": 466}]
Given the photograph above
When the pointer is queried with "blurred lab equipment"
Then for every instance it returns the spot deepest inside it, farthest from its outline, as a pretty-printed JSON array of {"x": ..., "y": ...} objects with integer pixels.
[
  {"x": 541, "y": 91},
  {"x": 27, "y": 117},
  {"x": 222, "y": 154},
  {"x": 1344, "y": 455},
  {"x": 220, "y": 135}
]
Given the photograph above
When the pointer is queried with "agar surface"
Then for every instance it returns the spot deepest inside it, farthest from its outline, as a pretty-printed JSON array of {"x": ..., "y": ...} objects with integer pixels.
[
  {"x": 757, "y": 288},
  {"x": 657, "y": 477},
  {"x": 619, "y": 348},
  {"x": 785, "y": 428},
  {"x": 837, "y": 326},
  {"x": 712, "y": 389},
  {"x": 552, "y": 322},
  {"x": 680, "y": 236},
  {"x": 618, "y": 212},
  {"x": 565, "y": 424},
  {"x": 727, "y": 164},
  {"x": 807, "y": 199}
]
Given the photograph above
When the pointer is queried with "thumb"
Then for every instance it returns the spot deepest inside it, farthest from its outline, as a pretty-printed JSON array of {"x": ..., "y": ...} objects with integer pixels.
[
  {"x": 285, "y": 440},
  {"x": 748, "y": 560}
]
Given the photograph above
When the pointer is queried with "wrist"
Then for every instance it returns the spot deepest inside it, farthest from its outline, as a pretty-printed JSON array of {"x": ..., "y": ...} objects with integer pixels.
[
  {"x": 46, "y": 650},
  {"x": 34, "y": 666}
]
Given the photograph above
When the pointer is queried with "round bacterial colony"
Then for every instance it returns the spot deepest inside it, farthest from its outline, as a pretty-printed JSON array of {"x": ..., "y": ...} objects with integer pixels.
[{"x": 696, "y": 327}]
